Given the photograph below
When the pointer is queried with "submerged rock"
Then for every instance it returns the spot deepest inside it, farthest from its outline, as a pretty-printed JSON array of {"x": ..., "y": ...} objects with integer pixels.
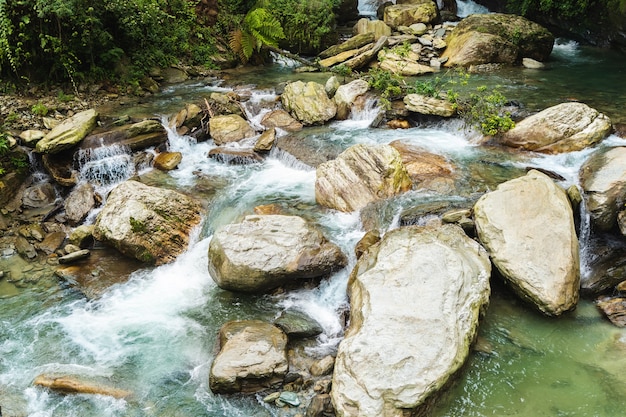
[
  {"x": 252, "y": 357},
  {"x": 520, "y": 223},
  {"x": 360, "y": 175},
  {"x": 415, "y": 302},
  {"x": 265, "y": 252},
  {"x": 147, "y": 223},
  {"x": 566, "y": 127},
  {"x": 72, "y": 385}
]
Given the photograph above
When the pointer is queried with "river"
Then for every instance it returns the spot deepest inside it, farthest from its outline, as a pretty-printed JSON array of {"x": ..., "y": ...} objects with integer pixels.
[{"x": 155, "y": 334}]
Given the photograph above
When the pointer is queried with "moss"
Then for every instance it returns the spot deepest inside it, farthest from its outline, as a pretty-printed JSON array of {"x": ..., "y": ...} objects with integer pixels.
[{"x": 137, "y": 226}]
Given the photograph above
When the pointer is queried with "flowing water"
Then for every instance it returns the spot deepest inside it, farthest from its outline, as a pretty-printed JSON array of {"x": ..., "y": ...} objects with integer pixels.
[{"x": 155, "y": 334}]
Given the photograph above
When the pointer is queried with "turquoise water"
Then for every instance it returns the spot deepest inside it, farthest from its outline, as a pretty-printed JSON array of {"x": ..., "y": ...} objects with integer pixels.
[{"x": 155, "y": 333}]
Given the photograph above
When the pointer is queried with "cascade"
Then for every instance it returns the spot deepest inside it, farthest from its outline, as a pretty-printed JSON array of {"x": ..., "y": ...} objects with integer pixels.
[{"x": 105, "y": 166}]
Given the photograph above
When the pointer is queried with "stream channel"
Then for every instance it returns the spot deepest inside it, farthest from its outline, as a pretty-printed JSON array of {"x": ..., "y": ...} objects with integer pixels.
[{"x": 155, "y": 333}]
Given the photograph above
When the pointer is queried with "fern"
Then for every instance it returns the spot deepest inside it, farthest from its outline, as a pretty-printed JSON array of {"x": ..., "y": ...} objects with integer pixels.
[{"x": 260, "y": 28}]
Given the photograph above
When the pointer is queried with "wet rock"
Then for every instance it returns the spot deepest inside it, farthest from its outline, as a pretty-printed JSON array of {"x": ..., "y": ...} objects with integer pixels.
[
  {"x": 346, "y": 95},
  {"x": 370, "y": 238},
  {"x": 95, "y": 274},
  {"x": 266, "y": 141},
  {"x": 235, "y": 156},
  {"x": 320, "y": 406},
  {"x": 497, "y": 38},
  {"x": 603, "y": 180},
  {"x": 147, "y": 223},
  {"x": 60, "y": 168},
  {"x": 72, "y": 385},
  {"x": 519, "y": 223},
  {"x": 614, "y": 308},
  {"x": 323, "y": 366},
  {"x": 606, "y": 267},
  {"x": 24, "y": 248},
  {"x": 360, "y": 175},
  {"x": 167, "y": 161},
  {"x": 420, "y": 290},
  {"x": 290, "y": 398},
  {"x": 74, "y": 256},
  {"x": 79, "y": 203},
  {"x": 229, "y": 128},
  {"x": 252, "y": 357},
  {"x": 565, "y": 127},
  {"x": 281, "y": 119},
  {"x": 297, "y": 325},
  {"x": 532, "y": 64},
  {"x": 423, "y": 166},
  {"x": 10, "y": 184},
  {"x": 308, "y": 102},
  {"x": 268, "y": 209},
  {"x": 136, "y": 136},
  {"x": 82, "y": 236},
  {"x": 39, "y": 195},
  {"x": 417, "y": 103},
  {"x": 265, "y": 252},
  {"x": 423, "y": 11},
  {"x": 52, "y": 242},
  {"x": 68, "y": 133}
]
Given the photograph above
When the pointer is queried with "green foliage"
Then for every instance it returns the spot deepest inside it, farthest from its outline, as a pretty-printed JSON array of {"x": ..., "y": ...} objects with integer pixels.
[
  {"x": 483, "y": 110},
  {"x": 69, "y": 40},
  {"x": 387, "y": 83},
  {"x": 260, "y": 28},
  {"x": 567, "y": 9},
  {"x": 307, "y": 24},
  {"x": 39, "y": 109}
]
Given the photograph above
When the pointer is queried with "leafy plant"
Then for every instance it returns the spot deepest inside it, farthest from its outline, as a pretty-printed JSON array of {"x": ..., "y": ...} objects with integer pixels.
[
  {"x": 387, "y": 83},
  {"x": 483, "y": 110},
  {"x": 260, "y": 28},
  {"x": 39, "y": 109}
]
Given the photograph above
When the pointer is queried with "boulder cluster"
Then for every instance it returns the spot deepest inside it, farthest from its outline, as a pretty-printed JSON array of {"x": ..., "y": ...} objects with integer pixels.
[{"x": 416, "y": 292}]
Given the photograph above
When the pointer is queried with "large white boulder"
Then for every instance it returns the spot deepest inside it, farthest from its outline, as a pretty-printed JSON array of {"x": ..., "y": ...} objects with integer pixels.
[
  {"x": 527, "y": 225},
  {"x": 415, "y": 300}
]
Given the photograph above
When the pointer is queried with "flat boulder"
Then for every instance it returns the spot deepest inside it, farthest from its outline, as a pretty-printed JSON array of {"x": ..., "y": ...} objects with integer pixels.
[
  {"x": 431, "y": 106},
  {"x": 421, "y": 291},
  {"x": 266, "y": 251},
  {"x": 68, "y": 133},
  {"x": 603, "y": 180},
  {"x": 566, "y": 127},
  {"x": 147, "y": 223},
  {"x": 425, "y": 168},
  {"x": 497, "y": 38},
  {"x": 252, "y": 357},
  {"x": 360, "y": 175},
  {"x": 308, "y": 102},
  {"x": 527, "y": 225},
  {"x": 135, "y": 136},
  {"x": 229, "y": 128}
]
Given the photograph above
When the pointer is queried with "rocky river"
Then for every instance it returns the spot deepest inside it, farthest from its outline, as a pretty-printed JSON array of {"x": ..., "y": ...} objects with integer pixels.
[{"x": 461, "y": 279}]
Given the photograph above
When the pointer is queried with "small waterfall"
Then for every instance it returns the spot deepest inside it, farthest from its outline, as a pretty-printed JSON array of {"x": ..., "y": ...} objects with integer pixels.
[
  {"x": 584, "y": 240},
  {"x": 260, "y": 103},
  {"x": 362, "y": 115},
  {"x": 468, "y": 7},
  {"x": 105, "y": 166},
  {"x": 367, "y": 8}
]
